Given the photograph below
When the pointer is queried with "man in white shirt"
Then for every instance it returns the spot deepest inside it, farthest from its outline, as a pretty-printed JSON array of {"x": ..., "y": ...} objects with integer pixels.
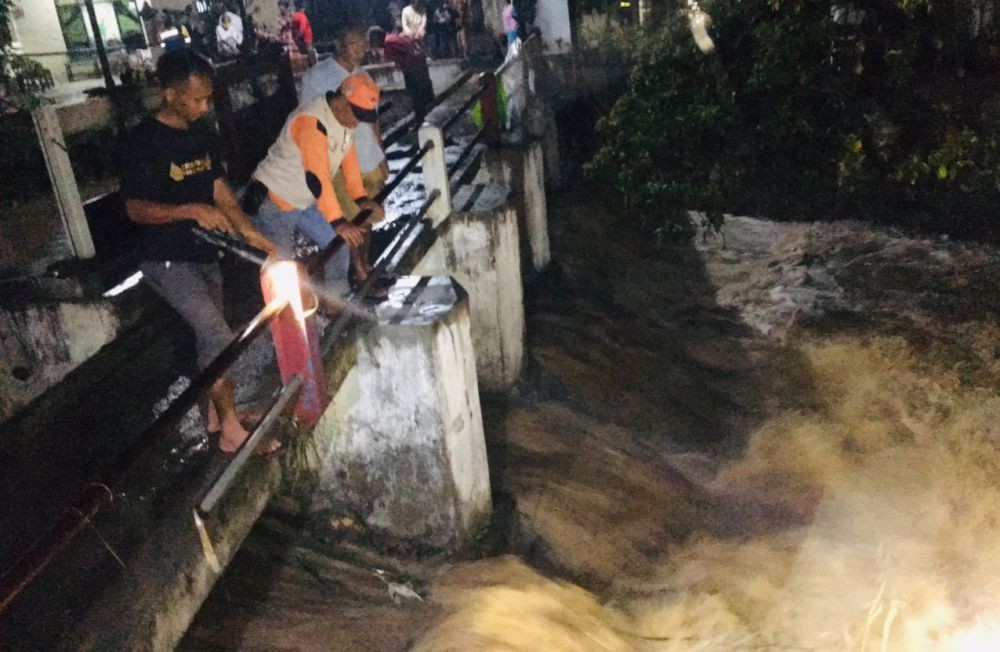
[
  {"x": 415, "y": 20},
  {"x": 229, "y": 34},
  {"x": 328, "y": 75}
]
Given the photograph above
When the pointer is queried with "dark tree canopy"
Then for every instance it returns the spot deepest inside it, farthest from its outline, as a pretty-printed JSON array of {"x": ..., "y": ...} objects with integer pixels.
[{"x": 812, "y": 109}]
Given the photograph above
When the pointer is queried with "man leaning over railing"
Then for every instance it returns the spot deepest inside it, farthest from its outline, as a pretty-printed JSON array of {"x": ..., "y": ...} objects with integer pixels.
[
  {"x": 292, "y": 188},
  {"x": 172, "y": 178},
  {"x": 328, "y": 75}
]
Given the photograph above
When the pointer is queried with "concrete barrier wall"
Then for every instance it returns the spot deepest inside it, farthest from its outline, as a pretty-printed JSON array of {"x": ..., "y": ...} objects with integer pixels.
[
  {"x": 478, "y": 245},
  {"x": 401, "y": 446},
  {"x": 159, "y": 593},
  {"x": 521, "y": 167},
  {"x": 42, "y": 342},
  {"x": 535, "y": 212}
]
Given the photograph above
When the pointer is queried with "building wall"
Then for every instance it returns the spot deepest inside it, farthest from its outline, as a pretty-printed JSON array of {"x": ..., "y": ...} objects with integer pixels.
[
  {"x": 40, "y": 35},
  {"x": 552, "y": 18}
]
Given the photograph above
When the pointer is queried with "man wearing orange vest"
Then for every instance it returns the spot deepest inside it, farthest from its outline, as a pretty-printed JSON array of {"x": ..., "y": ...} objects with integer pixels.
[{"x": 295, "y": 180}]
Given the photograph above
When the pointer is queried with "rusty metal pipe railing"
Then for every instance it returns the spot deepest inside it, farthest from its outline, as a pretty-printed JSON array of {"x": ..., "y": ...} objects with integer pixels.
[
  {"x": 100, "y": 491},
  {"x": 393, "y": 253},
  {"x": 322, "y": 257},
  {"x": 467, "y": 150},
  {"x": 465, "y": 107},
  {"x": 404, "y": 239},
  {"x": 452, "y": 87},
  {"x": 222, "y": 482},
  {"x": 398, "y": 130},
  {"x": 231, "y": 245}
]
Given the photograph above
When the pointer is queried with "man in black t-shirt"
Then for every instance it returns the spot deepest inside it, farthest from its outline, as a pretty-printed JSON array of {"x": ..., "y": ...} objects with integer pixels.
[{"x": 172, "y": 179}]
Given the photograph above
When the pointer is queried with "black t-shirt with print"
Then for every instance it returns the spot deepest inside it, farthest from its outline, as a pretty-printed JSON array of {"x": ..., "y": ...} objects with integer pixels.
[{"x": 171, "y": 166}]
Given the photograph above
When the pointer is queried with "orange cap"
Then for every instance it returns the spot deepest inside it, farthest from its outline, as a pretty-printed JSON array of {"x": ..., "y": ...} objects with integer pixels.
[{"x": 362, "y": 93}]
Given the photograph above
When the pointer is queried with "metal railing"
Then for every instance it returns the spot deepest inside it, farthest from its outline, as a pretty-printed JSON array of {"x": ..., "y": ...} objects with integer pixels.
[
  {"x": 100, "y": 491},
  {"x": 409, "y": 122},
  {"x": 321, "y": 259},
  {"x": 227, "y": 474}
]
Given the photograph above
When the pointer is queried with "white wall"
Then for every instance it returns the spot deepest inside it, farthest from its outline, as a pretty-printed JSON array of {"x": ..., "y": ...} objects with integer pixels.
[
  {"x": 37, "y": 25},
  {"x": 552, "y": 17}
]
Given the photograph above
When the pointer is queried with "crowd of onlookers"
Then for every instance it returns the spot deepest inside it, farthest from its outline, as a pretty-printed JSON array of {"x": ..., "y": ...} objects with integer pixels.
[
  {"x": 438, "y": 27},
  {"x": 435, "y": 29}
]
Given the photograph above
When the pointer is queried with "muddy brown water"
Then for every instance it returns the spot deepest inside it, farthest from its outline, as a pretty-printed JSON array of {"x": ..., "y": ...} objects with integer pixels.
[{"x": 787, "y": 442}]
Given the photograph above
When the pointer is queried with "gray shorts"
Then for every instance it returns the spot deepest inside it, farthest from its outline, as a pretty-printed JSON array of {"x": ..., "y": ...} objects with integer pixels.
[{"x": 195, "y": 291}]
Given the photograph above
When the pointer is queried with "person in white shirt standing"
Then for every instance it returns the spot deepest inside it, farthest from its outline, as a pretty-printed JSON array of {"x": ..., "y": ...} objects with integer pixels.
[
  {"x": 328, "y": 75},
  {"x": 415, "y": 20}
]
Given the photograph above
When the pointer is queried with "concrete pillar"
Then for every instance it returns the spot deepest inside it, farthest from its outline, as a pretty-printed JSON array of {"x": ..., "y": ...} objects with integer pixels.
[
  {"x": 535, "y": 216},
  {"x": 541, "y": 117},
  {"x": 521, "y": 166},
  {"x": 435, "y": 172},
  {"x": 53, "y": 145},
  {"x": 402, "y": 443},
  {"x": 478, "y": 245}
]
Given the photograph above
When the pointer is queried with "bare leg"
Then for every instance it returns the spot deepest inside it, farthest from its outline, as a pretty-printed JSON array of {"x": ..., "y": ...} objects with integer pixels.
[
  {"x": 232, "y": 431},
  {"x": 211, "y": 417}
]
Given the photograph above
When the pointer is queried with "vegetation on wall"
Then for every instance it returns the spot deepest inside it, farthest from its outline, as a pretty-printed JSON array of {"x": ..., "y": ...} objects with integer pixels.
[{"x": 808, "y": 109}]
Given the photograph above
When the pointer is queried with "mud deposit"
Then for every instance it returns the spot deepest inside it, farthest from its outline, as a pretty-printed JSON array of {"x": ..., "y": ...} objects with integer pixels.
[{"x": 788, "y": 442}]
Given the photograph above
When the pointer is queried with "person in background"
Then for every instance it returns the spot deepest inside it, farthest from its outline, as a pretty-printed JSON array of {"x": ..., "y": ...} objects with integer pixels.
[
  {"x": 441, "y": 31},
  {"x": 173, "y": 37},
  {"x": 172, "y": 180},
  {"x": 373, "y": 54},
  {"x": 229, "y": 35},
  {"x": 509, "y": 20},
  {"x": 396, "y": 12},
  {"x": 510, "y": 28},
  {"x": 195, "y": 27},
  {"x": 302, "y": 32},
  {"x": 328, "y": 75},
  {"x": 406, "y": 53},
  {"x": 292, "y": 188},
  {"x": 460, "y": 10},
  {"x": 285, "y": 25},
  {"x": 415, "y": 21}
]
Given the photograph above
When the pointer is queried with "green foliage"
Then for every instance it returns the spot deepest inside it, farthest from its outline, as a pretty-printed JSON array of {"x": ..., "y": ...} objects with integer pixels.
[{"x": 798, "y": 114}]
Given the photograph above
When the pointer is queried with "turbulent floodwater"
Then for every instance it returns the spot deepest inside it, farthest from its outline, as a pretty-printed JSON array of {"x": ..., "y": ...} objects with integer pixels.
[{"x": 789, "y": 439}]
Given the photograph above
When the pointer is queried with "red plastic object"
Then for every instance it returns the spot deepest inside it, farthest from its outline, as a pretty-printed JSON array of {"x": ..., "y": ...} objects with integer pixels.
[{"x": 296, "y": 339}]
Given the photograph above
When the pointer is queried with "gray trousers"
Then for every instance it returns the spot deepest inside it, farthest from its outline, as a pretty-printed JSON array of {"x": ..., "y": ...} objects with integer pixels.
[{"x": 195, "y": 291}]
